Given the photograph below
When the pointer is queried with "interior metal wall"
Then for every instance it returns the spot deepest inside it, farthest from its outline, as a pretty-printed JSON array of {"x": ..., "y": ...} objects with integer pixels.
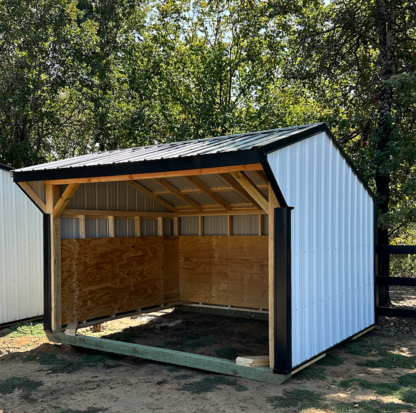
[
  {"x": 21, "y": 254},
  {"x": 332, "y": 245}
]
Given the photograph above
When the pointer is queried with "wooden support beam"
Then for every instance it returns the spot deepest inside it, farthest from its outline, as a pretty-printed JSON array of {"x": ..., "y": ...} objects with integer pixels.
[
  {"x": 153, "y": 175},
  {"x": 32, "y": 195},
  {"x": 151, "y": 195},
  {"x": 272, "y": 205},
  {"x": 252, "y": 189},
  {"x": 237, "y": 187},
  {"x": 92, "y": 213},
  {"x": 200, "y": 225},
  {"x": 111, "y": 227},
  {"x": 137, "y": 226},
  {"x": 180, "y": 358},
  {"x": 229, "y": 225},
  {"x": 208, "y": 192},
  {"x": 176, "y": 226},
  {"x": 177, "y": 192},
  {"x": 64, "y": 199},
  {"x": 262, "y": 176},
  {"x": 160, "y": 227},
  {"x": 52, "y": 197},
  {"x": 216, "y": 189},
  {"x": 260, "y": 224},
  {"x": 81, "y": 220}
]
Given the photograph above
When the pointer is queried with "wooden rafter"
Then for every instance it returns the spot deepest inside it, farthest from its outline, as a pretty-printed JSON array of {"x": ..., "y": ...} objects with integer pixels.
[
  {"x": 198, "y": 191},
  {"x": 64, "y": 200},
  {"x": 236, "y": 186},
  {"x": 33, "y": 195},
  {"x": 208, "y": 192},
  {"x": 178, "y": 193},
  {"x": 252, "y": 189},
  {"x": 151, "y": 195},
  {"x": 262, "y": 176},
  {"x": 153, "y": 175}
]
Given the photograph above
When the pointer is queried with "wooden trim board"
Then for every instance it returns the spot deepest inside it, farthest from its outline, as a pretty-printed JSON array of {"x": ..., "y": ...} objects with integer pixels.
[
  {"x": 179, "y": 358},
  {"x": 33, "y": 195}
]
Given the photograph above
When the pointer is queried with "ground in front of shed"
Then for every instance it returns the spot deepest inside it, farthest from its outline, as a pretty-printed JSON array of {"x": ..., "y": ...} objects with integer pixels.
[{"x": 376, "y": 373}]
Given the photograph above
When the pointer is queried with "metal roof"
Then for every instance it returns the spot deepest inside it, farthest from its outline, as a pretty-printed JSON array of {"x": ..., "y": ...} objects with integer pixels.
[
  {"x": 209, "y": 146},
  {"x": 5, "y": 167}
]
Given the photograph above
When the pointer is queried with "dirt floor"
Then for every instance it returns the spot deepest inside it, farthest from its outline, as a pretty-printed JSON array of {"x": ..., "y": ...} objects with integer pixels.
[{"x": 375, "y": 373}]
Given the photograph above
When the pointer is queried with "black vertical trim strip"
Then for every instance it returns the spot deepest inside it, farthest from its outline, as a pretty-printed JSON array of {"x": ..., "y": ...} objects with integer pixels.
[
  {"x": 47, "y": 299},
  {"x": 282, "y": 291},
  {"x": 273, "y": 183},
  {"x": 376, "y": 297}
]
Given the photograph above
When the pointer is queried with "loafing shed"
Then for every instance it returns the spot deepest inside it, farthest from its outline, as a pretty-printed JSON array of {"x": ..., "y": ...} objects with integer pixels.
[{"x": 275, "y": 223}]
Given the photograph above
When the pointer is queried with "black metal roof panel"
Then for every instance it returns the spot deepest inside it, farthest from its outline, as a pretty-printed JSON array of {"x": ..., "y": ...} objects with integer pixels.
[{"x": 209, "y": 146}]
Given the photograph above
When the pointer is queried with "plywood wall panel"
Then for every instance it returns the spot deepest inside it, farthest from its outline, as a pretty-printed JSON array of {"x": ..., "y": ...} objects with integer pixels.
[{"x": 170, "y": 269}]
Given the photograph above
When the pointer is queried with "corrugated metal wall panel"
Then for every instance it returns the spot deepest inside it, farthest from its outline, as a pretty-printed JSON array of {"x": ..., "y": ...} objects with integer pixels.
[
  {"x": 245, "y": 224},
  {"x": 124, "y": 227},
  {"x": 39, "y": 188},
  {"x": 69, "y": 228},
  {"x": 332, "y": 245},
  {"x": 215, "y": 225},
  {"x": 188, "y": 226},
  {"x": 96, "y": 228},
  {"x": 21, "y": 254},
  {"x": 148, "y": 227}
]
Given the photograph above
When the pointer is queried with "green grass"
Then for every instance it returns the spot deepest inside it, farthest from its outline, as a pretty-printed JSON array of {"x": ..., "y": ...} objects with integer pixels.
[
  {"x": 21, "y": 383},
  {"x": 207, "y": 384},
  {"x": 299, "y": 399},
  {"x": 372, "y": 406},
  {"x": 183, "y": 377},
  {"x": 34, "y": 329},
  {"x": 311, "y": 373},
  {"x": 332, "y": 360},
  {"x": 366, "y": 349},
  {"x": 404, "y": 389},
  {"x": 391, "y": 361},
  {"x": 240, "y": 388}
]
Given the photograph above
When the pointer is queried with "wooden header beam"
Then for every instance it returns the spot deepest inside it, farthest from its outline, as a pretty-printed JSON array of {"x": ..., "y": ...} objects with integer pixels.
[{"x": 170, "y": 174}]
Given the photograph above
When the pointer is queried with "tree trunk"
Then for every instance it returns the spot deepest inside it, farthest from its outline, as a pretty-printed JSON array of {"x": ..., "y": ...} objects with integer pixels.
[{"x": 386, "y": 33}]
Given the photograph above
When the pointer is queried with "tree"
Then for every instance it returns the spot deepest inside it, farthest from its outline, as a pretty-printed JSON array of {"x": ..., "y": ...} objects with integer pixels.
[{"x": 358, "y": 58}]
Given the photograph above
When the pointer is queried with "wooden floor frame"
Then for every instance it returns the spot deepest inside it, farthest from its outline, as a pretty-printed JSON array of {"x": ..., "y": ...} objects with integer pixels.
[{"x": 180, "y": 358}]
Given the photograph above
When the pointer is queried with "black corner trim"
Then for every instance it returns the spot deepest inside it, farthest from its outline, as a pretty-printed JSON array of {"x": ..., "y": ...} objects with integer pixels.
[
  {"x": 47, "y": 278},
  {"x": 282, "y": 291},
  {"x": 162, "y": 165},
  {"x": 375, "y": 238},
  {"x": 308, "y": 133},
  {"x": 273, "y": 183},
  {"x": 396, "y": 249},
  {"x": 5, "y": 167}
]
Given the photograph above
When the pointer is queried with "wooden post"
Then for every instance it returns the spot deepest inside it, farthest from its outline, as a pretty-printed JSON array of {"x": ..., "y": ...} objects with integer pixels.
[
  {"x": 272, "y": 205},
  {"x": 201, "y": 225},
  {"x": 260, "y": 225},
  {"x": 81, "y": 220},
  {"x": 176, "y": 226},
  {"x": 137, "y": 226},
  {"x": 52, "y": 197},
  {"x": 229, "y": 225},
  {"x": 160, "y": 227},
  {"x": 111, "y": 227}
]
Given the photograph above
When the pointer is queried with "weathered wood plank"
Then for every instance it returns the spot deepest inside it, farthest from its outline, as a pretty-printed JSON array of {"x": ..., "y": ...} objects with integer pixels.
[{"x": 171, "y": 356}]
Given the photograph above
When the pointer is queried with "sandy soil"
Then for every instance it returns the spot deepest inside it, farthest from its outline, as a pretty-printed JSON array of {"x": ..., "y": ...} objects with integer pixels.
[{"x": 123, "y": 384}]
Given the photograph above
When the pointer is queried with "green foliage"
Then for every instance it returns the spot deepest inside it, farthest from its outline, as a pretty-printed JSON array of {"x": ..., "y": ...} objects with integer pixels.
[
  {"x": 298, "y": 398},
  {"x": 311, "y": 373},
  {"x": 34, "y": 329},
  {"x": 207, "y": 384},
  {"x": 330, "y": 360},
  {"x": 372, "y": 406},
  {"x": 20, "y": 383}
]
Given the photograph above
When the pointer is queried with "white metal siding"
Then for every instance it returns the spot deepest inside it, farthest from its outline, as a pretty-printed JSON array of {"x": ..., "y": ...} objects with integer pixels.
[
  {"x": 332, "y": 245},
  {"x": 21, "y": 254}
]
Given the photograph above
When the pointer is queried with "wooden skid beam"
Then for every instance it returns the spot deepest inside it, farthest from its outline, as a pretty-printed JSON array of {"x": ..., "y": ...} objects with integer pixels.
[
  {"x": 170, "y": 174},
  {"x": 64, "y": 200},
  {"x": 252, "y": 189},
  {"x": 207, "y": 191},
  {"x": 237, "y": 187},
  {"x": 151, "y": 195},
  {"x": 180, "y": 358},
  {"x": 178, "y": 193},
  {"x": 33, "y": 195}
]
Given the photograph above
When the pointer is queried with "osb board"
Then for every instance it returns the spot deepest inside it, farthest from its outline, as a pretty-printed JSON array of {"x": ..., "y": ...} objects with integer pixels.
[
  {"x": 104, "y": 276},
  {"x": 224, "y": 270}
]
